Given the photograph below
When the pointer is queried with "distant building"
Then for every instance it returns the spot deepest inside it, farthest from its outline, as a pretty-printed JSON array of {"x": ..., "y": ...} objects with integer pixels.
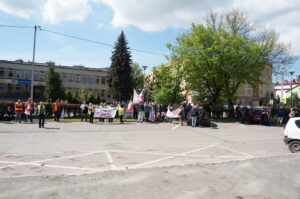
[
  {"x": 286, "y": 88},
  {"x": 247, "y": 94},
  {"x": 15, "y": 79},
  {"x": 259, "y": 93}
]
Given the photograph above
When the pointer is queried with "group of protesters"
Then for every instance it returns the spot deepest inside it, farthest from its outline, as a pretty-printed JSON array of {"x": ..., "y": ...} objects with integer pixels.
[
  {"x": 189, "y": 113},
  {"x": 147, "y": 112},
  {"x": 26, "y": 111}
]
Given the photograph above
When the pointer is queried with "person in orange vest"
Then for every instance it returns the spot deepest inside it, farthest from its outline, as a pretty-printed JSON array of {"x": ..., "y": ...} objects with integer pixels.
[
  {"x": 29, "y": 110},
  {"x": 56, "y": 110},
  {"x": 18, "y": 110}
]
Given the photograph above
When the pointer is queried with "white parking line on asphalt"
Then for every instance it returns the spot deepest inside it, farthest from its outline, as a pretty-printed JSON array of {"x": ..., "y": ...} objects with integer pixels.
[
  {"x": 236, "y": 151},
  {"x": 243, "y": 126},
  {"x": 170, "y": 154},
  {"x": 110, "y": 160},
  {"x": 15, "y": 164},
  {"x": 175, "y": 127},
  {"x": 48, "y": 165},
  {"x": 170, "y": 157}
]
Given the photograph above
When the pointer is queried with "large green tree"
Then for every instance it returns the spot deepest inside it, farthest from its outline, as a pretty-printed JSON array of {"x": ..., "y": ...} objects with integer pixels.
[
  {"x": 167, "y": 85},
  {"x": 120, "y": 76},
  {"x": 137, "y": 76},
  {"x": 217, "y": 58},
  {"x": 54, "y": 87}
]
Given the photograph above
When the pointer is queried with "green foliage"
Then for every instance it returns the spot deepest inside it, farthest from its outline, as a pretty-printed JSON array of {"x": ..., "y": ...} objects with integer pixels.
[
  {"x": 83, "y": 95},
  {"x": 54, "y": 87},
  {"x": 120, "y": 71},
  {"x": 91, "y": 98},
  {"x": 218, "y": 58},
  {"x": 295, "y": 100},
  {"x": 99, "y": 98},
  {"x": 167, "y": 85},
  {"x": 69, "y": 96},
  {"x": 137, "y": 76}
]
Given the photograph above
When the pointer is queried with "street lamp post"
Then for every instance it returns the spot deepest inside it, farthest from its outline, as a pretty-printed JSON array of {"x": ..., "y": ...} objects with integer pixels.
[
  {"x": 292, "y": 72},
  {"x": 282, "y": 79},
  {"x": 33, "y": 60},
  {"x": 144, "y": 67}
]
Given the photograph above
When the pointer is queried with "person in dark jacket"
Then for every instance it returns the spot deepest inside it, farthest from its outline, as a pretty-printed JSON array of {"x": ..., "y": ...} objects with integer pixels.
[{"x": 194, "y": 115}]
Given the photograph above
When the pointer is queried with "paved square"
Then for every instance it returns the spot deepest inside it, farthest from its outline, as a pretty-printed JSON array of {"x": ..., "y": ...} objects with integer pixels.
[{"x": 75, "y": 148}]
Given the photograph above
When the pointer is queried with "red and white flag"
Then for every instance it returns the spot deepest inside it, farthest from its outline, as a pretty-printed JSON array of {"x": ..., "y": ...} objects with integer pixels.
[{"x": 138, "y": 98}]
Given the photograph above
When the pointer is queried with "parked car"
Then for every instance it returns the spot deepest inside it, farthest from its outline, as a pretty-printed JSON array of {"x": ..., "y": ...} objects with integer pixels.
[
  {"x": 292, "y": 134},
  {"x": 259, "y": 116}
]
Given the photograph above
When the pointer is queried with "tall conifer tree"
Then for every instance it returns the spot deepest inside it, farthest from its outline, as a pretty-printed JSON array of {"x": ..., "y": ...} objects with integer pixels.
[
  {"x": 54, "y": 87},
  {"x": 120, "y": 70}
]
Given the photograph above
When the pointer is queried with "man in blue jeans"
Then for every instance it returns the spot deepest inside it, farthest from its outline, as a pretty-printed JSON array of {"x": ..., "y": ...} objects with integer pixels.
[{"x": 194, "y": 115}]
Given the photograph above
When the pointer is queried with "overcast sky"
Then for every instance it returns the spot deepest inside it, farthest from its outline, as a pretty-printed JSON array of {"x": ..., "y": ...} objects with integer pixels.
[{"x": 148, "y": 25}]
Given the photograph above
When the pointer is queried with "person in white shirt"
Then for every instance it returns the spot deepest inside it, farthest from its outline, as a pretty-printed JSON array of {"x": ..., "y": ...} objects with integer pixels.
[{"x": 84, "y": 110}]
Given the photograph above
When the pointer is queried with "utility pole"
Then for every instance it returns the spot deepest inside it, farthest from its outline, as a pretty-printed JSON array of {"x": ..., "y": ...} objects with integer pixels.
[
  {"x": 32, "y": 64},
  {"x": 282, "y": 79},
  {"x": 292, "y": 72}
]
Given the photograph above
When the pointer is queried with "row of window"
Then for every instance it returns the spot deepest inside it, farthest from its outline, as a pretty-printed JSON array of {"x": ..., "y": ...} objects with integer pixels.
[
  {"x": 12, "y": 87},
  {"x": 41, "y": 76},
  {"x": 18, "y": 87}
]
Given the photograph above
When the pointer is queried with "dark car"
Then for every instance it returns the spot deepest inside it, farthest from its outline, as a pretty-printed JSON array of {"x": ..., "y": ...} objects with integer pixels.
[{"x": 258, "y": 116}]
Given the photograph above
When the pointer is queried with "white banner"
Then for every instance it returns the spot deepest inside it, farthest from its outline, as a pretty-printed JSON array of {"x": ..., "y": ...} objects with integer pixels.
[
  {"x": 105, "y": 112},
  {"x": 173, "y": 114}
]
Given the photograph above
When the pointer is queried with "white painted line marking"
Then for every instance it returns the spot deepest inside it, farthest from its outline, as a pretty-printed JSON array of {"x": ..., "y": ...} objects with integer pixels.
[
  {"x": 168, "y": 154},
  {"x": 243, "y": 126},
  {"x": 170, "y": 157},
  {"x": 175, "y": 127},
  {"x": 236, "y": 151},
  {"x": 110, "y": 160},
  {"x": 48, "y": 165},
  {"x": 51, "y": 159}
]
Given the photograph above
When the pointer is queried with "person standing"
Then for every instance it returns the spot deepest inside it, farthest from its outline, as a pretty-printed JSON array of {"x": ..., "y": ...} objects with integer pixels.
[
  {"x": 56, "y": 110},
  {"x": 194, "y": 115},
  {"x": 101, "y": 107},
  {"x": 41, "y": 114},
  {"x": 18, "y": 110},
  {"x": 121, "y": 111},
  {"x": 91, "y": 112},
  {"x": 280, "y": 115},
  {"x": 110, "y": 106},
  {"x": 292, "y": 113},
  {"x": 29, "y": 110},
  {"x": 84, "y": 110},
  {"x": 152, "y": 117},
  {"x": 147, "y": 111},
  {"x": 181, "y": 114},
  {"x": 141, "y": 112}
]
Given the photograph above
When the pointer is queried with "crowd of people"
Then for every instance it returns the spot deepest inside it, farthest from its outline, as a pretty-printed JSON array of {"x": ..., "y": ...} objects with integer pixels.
[
  {"x": 265, "y": 116},
  {"x": 188, "y": 113}
]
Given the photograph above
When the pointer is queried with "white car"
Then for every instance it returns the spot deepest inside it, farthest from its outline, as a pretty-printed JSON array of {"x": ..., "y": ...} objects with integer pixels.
[{"x": 292, "y": 134}]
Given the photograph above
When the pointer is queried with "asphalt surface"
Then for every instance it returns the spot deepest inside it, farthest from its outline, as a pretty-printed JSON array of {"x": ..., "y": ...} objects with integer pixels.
[{"x": 72, "y": 155}]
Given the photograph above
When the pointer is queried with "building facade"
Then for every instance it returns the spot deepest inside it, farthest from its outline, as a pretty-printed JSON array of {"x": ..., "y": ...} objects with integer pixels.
[
  {"x": 259, "y": 93},
  {"x": 284, "y": 88},
  {"x": 15, "y": 79}
]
